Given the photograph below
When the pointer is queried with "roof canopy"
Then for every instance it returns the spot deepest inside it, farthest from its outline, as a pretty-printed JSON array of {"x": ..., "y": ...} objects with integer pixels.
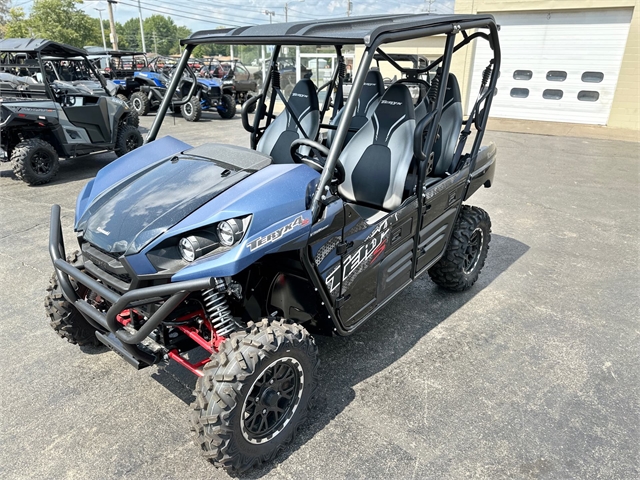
[
  {"x": 112, "y": 53},
  {"x": 365, "y": 30},
  {"x": 45, "y": 47}
]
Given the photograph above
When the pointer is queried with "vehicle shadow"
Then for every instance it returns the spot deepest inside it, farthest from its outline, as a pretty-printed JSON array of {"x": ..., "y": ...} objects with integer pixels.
[{"x": 347, "y": 361}]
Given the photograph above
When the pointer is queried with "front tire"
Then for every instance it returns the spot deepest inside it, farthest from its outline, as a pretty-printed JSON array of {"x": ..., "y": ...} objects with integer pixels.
[
  {"x": 65, "y": 319},
  {"x": 133, "y": 119},
  {"x": 192, "y": 110},
  {"x": 35, "y": 161},
  {"x": 227, "y": 107},
  {"x": 460, "y": 266},
  {"x": 140, "y": 103},
  {"x": 128, "y": 139},
  {"x": 255, "y": 393}
]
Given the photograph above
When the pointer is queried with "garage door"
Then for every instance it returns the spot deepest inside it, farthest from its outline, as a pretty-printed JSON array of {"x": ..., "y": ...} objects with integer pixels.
[{"x": 557, "y": 66}]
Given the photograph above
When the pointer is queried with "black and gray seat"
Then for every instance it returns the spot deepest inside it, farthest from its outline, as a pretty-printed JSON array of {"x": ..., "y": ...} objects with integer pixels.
[
  {"x": 449, "y": 129},
  {"x": 372, "y": 91},
  {"x": 278, "y": 137},
  {"x": 377, "y": 159}
]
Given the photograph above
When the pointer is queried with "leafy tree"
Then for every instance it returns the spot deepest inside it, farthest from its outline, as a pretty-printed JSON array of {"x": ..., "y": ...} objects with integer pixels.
[
  {"x": 129, "y": 34},
  {"x": 5, "y": 6},
  {"x": 59, "y": 20},
  {"x": 16, "y": 26},
  {"x": 160, "y": 34}
]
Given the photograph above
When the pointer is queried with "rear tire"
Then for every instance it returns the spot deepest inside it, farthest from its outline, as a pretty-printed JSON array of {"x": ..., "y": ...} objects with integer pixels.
[
  {"x": 128, "y": 139},
  {"x": 123, "y": 97},
  {"x": 65, "y": 319},
  {"x": 35, "y": 161},
  {"x": 140, "y": 103},
  {"x": 460, "y": 266},
  {"x": 227, "y": 107},
  {"x": 254, "y": 395},
  {"x": 192, "y": 110}
]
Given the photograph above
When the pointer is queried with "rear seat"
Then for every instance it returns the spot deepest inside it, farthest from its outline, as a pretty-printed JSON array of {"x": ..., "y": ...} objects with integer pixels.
[{"x": 372, "y": 91}]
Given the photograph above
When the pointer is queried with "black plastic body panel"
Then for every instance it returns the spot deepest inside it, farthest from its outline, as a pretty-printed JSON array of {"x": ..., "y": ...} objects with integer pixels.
[
  {"x": 485, "y": 169},
  {"x": 439, "y": 214}
]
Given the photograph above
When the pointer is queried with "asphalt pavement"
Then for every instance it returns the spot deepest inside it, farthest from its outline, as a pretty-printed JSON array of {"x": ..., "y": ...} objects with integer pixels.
[{"x": 533, "y": 373}]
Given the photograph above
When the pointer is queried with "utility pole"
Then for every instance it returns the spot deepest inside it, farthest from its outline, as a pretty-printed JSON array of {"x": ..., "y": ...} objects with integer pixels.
[
  {"x": 144, "y": 46},
  {"x": 349, "y": 6},
  {"x": 429, "y": 3},
  {"x": 155, "y": 42},
  {"x": 104, "y": 40},
  {"x": 112, "y": 23},
  {"x": 286, "y": 10}
]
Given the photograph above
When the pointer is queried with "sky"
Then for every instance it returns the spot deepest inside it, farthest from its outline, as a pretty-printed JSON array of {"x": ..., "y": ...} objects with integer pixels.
[{"x": 204, "y": 14}]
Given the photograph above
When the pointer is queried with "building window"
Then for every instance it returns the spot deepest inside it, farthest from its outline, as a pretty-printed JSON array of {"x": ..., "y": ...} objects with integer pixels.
[
  {"x": 592, "y": 77},
  {"x": 588, "y": 96},
  {"x": 519, "y": 92},
  {"x": 522, "y": 75},
  {"x": 551, "y": 94},
  {"x": 556, "y": 76}
]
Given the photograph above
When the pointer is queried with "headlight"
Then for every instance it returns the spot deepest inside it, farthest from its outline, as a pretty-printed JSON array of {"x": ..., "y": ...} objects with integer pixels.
[
  {"x": 230, "y": 231},
  {"x": 195, "y": 246},
  {"x": 228, "y": 82}
]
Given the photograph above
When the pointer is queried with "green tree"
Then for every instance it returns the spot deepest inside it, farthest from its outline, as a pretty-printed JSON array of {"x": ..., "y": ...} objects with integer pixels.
[
  {"x": 59, "y": 20},
  {"x": 160, "y": 34},
  {"x": 16, "y": 26},
  {"x": 129, "y": 35},
  {"x": 181, "y": 32}
]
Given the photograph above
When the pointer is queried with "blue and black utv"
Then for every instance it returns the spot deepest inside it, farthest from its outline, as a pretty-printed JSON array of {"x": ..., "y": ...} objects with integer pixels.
[{"x": 243, "y": 253}]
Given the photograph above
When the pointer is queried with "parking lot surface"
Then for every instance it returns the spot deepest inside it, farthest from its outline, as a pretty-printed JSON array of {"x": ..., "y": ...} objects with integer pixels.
[{"x": 533, "y": 373}]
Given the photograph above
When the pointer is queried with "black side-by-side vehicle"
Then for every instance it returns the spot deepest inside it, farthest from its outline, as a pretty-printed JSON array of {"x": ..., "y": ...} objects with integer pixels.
[
  {"x": 55, "y": 104},
  {"x": 243, "y": 253}
]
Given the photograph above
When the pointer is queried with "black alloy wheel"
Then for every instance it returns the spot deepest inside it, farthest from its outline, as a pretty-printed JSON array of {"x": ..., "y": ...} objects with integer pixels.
[{"x": 272, "y": 400}]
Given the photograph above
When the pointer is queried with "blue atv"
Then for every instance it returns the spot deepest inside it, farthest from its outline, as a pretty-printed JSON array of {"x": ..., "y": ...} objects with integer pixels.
[
  {"x": 210, "y": 95},
  {"x": 226, "y": 259}
]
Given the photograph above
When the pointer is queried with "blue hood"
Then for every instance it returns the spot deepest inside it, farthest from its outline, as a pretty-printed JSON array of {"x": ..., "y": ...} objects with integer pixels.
[
  {"x": 130, "y": 214},
  {"x": 210, "y": 82}
]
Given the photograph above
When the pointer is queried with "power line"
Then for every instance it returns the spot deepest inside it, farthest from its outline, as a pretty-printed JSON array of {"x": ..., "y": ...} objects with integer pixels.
[{"x": 214, "y": 20}]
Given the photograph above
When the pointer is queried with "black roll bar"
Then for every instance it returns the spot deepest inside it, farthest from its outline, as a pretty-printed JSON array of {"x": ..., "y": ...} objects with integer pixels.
[{"x": 171, "y": 90}]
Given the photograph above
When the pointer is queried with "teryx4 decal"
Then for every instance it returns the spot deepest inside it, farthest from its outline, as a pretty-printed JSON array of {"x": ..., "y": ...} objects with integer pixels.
[
  {"x": 353, "y": 264},
  {"x": 276, "y": 234}
]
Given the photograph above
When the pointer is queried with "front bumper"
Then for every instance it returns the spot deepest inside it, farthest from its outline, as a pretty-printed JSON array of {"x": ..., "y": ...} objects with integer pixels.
[{"x": 123, "y": 341}]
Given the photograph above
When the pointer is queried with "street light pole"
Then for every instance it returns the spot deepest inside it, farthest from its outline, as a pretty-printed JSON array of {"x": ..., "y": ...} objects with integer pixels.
[
  {"x": 271, "y": 13},
  {"x": 104, "y": 40},
  {"x": 144, "y": 46},
  {"x": 112, "y": 23}
]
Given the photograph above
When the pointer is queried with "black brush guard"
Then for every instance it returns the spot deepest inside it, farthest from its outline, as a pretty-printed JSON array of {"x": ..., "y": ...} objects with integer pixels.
[{"x": 123, "y": 342}]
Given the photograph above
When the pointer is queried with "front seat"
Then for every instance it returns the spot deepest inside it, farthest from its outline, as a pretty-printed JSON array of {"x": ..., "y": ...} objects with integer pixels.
[
  {"x": 278, "y": 137},
  {"x": 377, "y": 159},
  {"x": 372, "y": 91}
]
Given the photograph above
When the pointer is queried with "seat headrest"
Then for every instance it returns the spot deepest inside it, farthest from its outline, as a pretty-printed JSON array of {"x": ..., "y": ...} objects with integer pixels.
[
  {"x": 373, "y": 87},
  {"x": 453, "y": 90},
  {"x": 303, "y": 96},
  {"x": 395, "y": 108}
]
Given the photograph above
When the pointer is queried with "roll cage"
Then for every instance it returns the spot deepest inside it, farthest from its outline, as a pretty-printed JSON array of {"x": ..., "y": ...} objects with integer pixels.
[
  {"x": 373, "y": 32},
  {"x": 32, "y": 55}
]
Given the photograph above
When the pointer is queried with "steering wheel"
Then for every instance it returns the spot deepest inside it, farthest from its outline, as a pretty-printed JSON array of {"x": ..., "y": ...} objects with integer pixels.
[{"x": 317, "y": 163}]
